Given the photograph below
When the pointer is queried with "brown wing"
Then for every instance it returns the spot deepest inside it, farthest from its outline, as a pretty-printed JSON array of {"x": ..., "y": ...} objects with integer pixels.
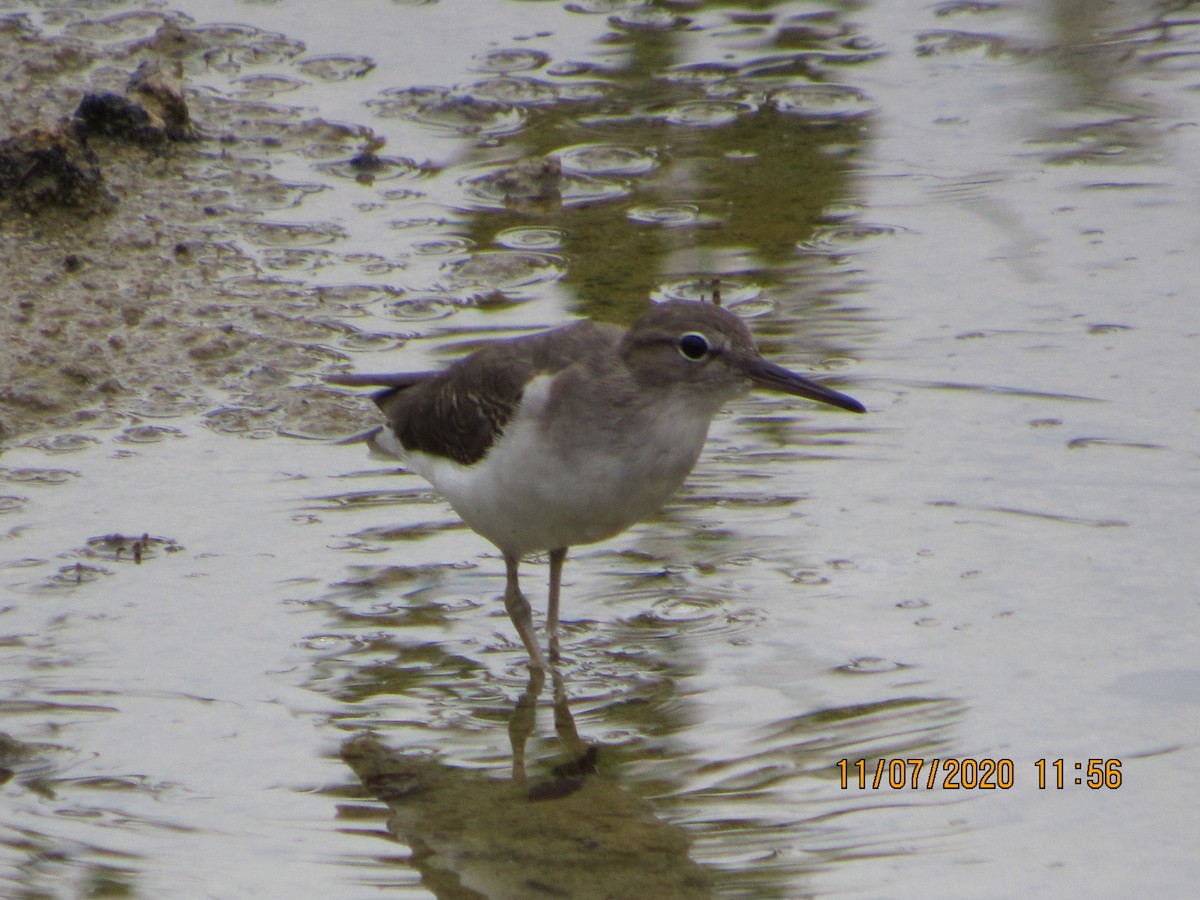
[{"x": 461, "y": 412}]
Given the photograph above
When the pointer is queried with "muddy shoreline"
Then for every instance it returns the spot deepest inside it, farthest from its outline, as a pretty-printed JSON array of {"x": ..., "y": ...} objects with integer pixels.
[{"x": 143, "y": 302}]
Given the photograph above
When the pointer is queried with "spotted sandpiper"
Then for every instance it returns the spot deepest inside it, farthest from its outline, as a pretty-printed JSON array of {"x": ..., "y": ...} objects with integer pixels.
[{"x": 570, "y": 436}]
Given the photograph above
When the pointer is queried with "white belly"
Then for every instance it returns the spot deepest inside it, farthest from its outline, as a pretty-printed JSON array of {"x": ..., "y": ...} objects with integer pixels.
[{"x": 532, "y": 493}]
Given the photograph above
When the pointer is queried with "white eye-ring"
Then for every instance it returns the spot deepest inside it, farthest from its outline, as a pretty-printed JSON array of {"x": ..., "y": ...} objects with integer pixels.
[{"x": 693, "y": 346}]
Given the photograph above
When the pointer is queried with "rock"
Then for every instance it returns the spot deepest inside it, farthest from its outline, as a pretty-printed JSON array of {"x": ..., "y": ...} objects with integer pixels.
[
  {"x": 50, "y": 166},
  {"x": 154, "y": 112}
]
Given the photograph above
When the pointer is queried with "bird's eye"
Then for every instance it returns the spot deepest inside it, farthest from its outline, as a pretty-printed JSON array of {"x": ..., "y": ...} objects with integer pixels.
[{"x": 693, "y": 346}]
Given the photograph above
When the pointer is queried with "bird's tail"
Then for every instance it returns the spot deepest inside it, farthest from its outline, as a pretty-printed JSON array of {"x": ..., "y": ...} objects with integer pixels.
[{"x": 363, "y": 437}]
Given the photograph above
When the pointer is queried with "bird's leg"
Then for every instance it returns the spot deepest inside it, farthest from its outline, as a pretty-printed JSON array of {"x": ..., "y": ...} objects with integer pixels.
[
  {"x": 557, "y": 558},
  {"x": 519, "y": 612}
]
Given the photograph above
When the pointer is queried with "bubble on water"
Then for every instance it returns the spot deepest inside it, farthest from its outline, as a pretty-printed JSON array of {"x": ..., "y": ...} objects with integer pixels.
[
  {"x": 510, "y": 59},
  {"x": 606, "y": 159},
  {"x": 503, "y": 270},
  {"x": 536, "y": 183},
  {"x": 448, "y": 245},
  {"x": 264, "y": 85},
  {"x": 371, "y": 168},
  {"x": 164, "y": 403},
  {"x": 648, "y": 18},
  {"x": 76, "y": 575},
  {"x": 334, "y": 643},
  {"x": 147, "y": 434},
  {"x": 342, "y": 298},
  {"x": 690, "y": 612},
  {"x": 531, "y": 237},
  {"x": 422, "y": 307},
  {"x": 140, "y": 23},
  {"x": 515, "y": 90},
  {"x": 129, "y": 548},
  {"x": 869, "y": 665},
  {"x": 443, "y": 109},
  {"x": 583, "y": 91},
  {"x": 671, "y": 215},
  {"x": 809, "y": 577},
  {"x": 335, "y": 67},
  {"x": 750, "y": 309},
  {"x": 61, "y": 443},
  {"x": 284, "y": 259},
  {"x": 735, "y": 293},
  {"x": 29, "y": 475},
  {"x": 291, "y": 234},
  {"x": 983, "y": 46},
  {"x": 243, "y": 421},
  {"x": 359, "y": 341},
  {"x": 704, "y": 113},
  {"x": 833, "y": 240},
  {"x": 822, "y": 102},
  {"x": 230, "y": 46},
  {"x": 600, "y": 7},
  {"x": 700, "y": 73}
]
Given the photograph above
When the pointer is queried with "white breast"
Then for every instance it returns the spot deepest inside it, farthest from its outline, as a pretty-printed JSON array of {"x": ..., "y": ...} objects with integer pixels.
[{"x": 536, "y": 492}]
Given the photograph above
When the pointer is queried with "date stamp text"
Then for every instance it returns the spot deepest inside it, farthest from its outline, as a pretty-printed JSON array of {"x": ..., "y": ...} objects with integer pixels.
[{"x": 953, "y": 774}]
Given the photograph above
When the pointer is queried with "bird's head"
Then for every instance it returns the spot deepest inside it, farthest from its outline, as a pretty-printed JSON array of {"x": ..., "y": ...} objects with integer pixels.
[{"x": 705, "y": 350}]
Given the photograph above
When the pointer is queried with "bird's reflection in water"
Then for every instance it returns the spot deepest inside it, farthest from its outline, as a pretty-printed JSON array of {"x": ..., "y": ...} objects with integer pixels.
[
  {"x": 573, "y": 833},
  {"x": 581, "y": 756}
]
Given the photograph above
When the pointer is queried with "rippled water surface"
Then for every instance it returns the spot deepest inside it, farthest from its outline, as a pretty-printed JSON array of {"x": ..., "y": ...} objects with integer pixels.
[{"x": 240, "y": 659}]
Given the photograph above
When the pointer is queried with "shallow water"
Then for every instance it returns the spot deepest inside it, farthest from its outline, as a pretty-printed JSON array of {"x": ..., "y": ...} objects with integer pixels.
[{"x": 980, "y": 218}]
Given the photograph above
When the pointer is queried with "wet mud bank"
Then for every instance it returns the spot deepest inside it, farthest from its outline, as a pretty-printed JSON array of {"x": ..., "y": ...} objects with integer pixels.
[{"x": 128, "y": 289}]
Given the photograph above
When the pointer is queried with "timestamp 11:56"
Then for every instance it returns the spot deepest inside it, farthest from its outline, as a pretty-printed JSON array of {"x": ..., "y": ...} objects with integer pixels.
[{"x": 1099, "y": 773}]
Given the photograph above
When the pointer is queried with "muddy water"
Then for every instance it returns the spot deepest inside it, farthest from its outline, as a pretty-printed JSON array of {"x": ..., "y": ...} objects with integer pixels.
[{"x": 980, "y": 218}]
